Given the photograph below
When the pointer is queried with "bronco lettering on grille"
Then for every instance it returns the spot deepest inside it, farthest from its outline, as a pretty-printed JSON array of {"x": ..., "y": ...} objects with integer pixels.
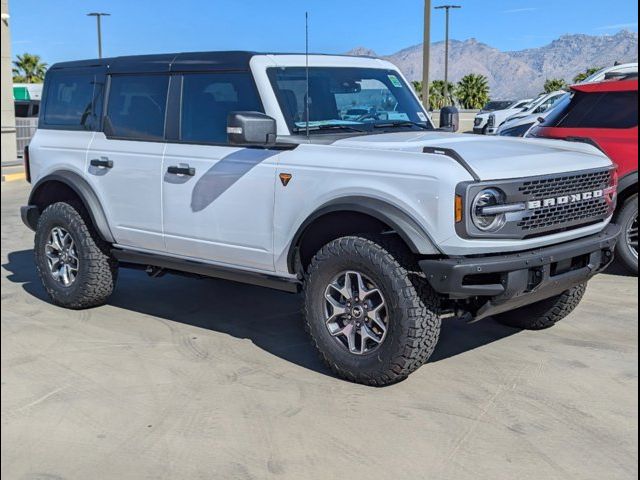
[{"x": 565, "y": 200}]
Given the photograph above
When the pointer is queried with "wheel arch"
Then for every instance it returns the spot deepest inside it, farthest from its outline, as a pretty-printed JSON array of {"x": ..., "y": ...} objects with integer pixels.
[
  {"x": 64, "y": 185},
  {"x": 627, "y": 187},
  {"x": 358, "y": 211}
]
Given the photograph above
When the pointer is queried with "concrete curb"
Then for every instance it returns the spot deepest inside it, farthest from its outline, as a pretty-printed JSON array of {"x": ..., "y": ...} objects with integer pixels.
[{"x": 13, "y": 177}]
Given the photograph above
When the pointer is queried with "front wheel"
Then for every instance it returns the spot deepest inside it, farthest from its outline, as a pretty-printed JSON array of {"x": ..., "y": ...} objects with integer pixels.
[
  {"x": 546, "y": 313},
  {"x": 627, "y": 250},
  {"x": 371, "y": 317}
]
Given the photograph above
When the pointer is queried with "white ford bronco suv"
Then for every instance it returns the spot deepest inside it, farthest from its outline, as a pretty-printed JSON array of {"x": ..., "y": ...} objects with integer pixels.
[{"x": 253, "y": 168}]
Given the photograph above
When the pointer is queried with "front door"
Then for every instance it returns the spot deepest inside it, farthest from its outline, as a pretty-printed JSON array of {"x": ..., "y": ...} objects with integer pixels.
[{"x": 217, "y": 200}]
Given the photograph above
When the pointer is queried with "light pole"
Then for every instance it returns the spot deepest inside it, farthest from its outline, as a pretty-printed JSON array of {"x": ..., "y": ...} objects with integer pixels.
[
  {"x": 98, "y": 16},
  {"x": 446, "y": 49},
  {"x": 426, "y": 54}
]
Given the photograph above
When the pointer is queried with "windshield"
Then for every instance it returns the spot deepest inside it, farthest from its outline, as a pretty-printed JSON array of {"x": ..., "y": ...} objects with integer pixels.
[
  {"x": 353, "y": 99},
  {"x": 497, "y": 105}
]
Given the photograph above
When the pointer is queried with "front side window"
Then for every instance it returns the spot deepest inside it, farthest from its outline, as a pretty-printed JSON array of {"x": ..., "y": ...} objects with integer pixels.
[
  {"x": 137, "y": 106},
  {"x": 207, "y": 99},
  {"x": 356, "y": 99},
  {"x": 70, "y": 101},
  {"x": 596, "y": 110}
]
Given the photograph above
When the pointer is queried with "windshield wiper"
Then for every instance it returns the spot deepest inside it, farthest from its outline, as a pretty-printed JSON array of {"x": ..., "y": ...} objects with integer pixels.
[
  {"x": 401, "y": 123},
  {"x": 316, "y": 128}
]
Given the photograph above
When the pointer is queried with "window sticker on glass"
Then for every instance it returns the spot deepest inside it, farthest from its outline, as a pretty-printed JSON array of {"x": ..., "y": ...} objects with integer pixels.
[
  {"x": 394, "y": 81},
  {"x": 422, "y": 116}
]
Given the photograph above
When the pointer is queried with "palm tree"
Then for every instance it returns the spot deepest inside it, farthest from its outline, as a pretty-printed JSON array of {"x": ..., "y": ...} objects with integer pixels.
[
  {"x": 473, "y": 91},
  {"x": 29, "y": 68},
  {"x": 553, "y": 84},
  {"x": 417, "y": 86},
  {"x": 587, "y": 73},
  {"x": 437, "y": 98}
]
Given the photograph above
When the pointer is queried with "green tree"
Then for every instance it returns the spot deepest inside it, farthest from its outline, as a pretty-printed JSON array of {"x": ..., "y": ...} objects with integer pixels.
[
  {"x": 417, "y": 86},
  {"x": 437, "y": 98},
  {"x": 587, "y": 73},
  {"x": 472, "y": 91},
  {"x": 553, "y": 84},
  {"x": 29, "y": 68}
]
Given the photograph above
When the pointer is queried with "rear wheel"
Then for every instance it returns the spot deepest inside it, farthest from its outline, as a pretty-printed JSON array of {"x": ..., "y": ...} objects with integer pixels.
[
  {"x": 72, "y": 260},
  {"x": 371, "y": 317},
  {"x": 627, "y": 249},
  {"x": 546, "y": 313}
]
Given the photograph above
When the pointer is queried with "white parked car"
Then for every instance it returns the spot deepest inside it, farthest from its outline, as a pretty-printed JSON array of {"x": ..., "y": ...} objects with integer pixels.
[
  {"x": 610, "y": 72},
  {"x": 237, "y": 165},
  {"x": 520, "y": 125},
  {"x": 482, "y": 118},
  {"x": 537, "y": 106}
]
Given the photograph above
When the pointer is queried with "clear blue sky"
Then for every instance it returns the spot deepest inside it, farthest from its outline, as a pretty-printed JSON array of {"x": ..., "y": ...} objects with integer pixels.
[{"x": 59, "y": 30}]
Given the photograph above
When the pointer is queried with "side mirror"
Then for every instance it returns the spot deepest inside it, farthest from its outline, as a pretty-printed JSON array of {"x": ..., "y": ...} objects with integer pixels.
[
  {"x": 251, "y": 129},
  {"x": 449, "y": 119}
]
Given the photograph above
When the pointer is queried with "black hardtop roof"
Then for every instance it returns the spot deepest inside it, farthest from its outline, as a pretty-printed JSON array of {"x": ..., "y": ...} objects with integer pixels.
[
  {"x": 166, "y": 62},
  {"x": 171, "y": 62}
]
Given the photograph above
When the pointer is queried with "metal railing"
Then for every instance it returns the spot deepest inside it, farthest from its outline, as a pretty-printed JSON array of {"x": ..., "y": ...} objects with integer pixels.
[{"x": 25, "y": 129}]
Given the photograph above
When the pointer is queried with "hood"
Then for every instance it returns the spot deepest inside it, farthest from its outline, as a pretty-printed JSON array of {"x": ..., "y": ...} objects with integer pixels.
[
  {"x": 522, "y": 120},
  {"x": 492, "y": 158}
]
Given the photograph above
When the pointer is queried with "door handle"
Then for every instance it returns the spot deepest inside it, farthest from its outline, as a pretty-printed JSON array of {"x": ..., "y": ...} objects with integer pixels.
[
  {"x": 185, "y": 170},
  {"x": 102, "y": 162}
]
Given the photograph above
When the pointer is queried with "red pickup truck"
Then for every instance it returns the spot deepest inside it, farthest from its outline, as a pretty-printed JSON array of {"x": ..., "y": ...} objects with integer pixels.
[{"x": 606, "y": 114}]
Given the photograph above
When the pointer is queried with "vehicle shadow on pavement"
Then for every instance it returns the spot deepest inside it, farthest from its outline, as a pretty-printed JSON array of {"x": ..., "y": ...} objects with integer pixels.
[
  {"x": 272, "y": 320},
  {"x": 618, "y": 270}
]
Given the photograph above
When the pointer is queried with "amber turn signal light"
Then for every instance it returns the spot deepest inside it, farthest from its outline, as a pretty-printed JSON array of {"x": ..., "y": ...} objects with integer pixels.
[{"x": 459, "y": 209}]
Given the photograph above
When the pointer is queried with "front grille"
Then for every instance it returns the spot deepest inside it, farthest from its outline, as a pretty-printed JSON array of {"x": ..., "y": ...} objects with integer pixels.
[
  {"x": 549, "y": 204},
  {"x": 559, "y": 216},
  {"x": 556, "y": 218},
  {"x": 477, "y": 122},
  {"x": 566, "y": 185}
]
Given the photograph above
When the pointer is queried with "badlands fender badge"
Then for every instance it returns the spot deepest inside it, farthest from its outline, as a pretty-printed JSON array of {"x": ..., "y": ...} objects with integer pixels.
[{"x": 285, "y": 178}]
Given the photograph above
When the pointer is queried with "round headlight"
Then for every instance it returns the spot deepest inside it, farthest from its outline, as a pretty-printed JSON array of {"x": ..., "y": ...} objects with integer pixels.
[{"x": 488, "y": 222}]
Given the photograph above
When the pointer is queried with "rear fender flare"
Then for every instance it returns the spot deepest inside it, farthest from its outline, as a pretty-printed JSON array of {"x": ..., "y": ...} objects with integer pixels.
[{"x": 86, "y": 194}]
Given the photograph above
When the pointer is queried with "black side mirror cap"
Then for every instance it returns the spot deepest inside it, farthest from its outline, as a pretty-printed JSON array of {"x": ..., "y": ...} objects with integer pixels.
[
  {"x": 251, "y": 129},
  {"x": 449, "y": 119}
]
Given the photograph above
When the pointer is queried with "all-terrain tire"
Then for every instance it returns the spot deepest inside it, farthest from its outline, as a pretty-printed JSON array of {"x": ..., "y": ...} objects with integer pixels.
[
  {"x": 97, "y": 271},
  {"x": 546, "y": 313},
  {"x": 413, "y": 309},
  {"x": 626, "y": 218}
]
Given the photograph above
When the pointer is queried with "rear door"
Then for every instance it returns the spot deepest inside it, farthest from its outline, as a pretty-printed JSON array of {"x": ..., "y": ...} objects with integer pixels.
[
  {"x": 217, "y": 199},
  {"x": 125, "y": 158}
]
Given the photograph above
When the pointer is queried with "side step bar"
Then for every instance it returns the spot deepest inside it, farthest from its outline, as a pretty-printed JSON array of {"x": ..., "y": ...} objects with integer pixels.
[{"x": 206, "y": 270}]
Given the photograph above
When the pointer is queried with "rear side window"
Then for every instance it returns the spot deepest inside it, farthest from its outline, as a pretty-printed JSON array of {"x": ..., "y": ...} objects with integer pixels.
[
  {"x": 72, "y": 101},
  {"x": 597, "y": 110},
  {"x": 207, "y": 99},
  {"x": 137, "y": 106}
]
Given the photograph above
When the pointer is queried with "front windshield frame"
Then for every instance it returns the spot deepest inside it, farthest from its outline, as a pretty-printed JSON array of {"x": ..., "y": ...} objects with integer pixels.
[{"x": 415, "y": 119}]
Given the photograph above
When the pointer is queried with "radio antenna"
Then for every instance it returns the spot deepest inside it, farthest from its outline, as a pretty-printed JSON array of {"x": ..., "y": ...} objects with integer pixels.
[{"x": 306, "y": 56}]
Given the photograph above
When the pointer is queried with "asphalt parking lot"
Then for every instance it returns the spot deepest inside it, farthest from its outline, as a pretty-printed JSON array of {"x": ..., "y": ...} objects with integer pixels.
[{"x": 178, "y": 378}]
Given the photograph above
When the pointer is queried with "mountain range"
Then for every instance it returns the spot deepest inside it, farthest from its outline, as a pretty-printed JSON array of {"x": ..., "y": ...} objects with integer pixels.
[{"x": 517, "y": 74}]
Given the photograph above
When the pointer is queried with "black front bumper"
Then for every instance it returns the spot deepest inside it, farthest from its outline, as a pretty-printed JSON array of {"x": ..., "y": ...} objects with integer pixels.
[{"x": 506, "y": 282}]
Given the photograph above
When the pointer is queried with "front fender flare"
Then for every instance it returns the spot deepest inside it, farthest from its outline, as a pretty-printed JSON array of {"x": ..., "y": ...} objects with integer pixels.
[
  {"x": 86, "y": 193},
  {"x": 628, "y": 181},
  {"x": 418, "y": 240}
]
